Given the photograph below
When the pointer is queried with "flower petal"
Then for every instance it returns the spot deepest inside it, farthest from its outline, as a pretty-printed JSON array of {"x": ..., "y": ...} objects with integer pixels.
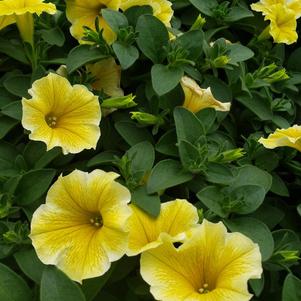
[{"x": 176, "y": 217}]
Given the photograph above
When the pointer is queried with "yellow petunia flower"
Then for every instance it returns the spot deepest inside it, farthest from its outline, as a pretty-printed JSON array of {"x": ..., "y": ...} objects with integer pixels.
[
  {"x": 290, "y": 137},
  {"x": 21, "y": 11},
  {"x": 212, "y": 265},
  {"x": 283, "y": 16},
  {"x": 62, "y": 115},
  {"x": 264, "y": 6},
  {"x": 197, "y": 99},
  {"x": 84, "y": 13},
  {"x": 176, "y": 217},
  {"x": 161, "y": 8},
  {"x": 107, "y": 77},
  {"x": 82, "y": 228}
]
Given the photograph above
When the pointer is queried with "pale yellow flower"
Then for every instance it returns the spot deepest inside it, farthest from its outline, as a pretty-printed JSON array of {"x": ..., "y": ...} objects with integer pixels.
[
  {"x": 20, "y": 11},
  {"x": 176, "y": 217},
  {"x": 62, "y": 115},
  {"x": 197, "y": 99},
  {"x": 212, "y": 265},
  {"x": 161, "y": 8},
  {"x": 107, "y": 77},
  {"x": 283, "y": 15},
  {"x": 265, "y": 6},
  {"x": 290, "y": 137},
  {"x": 84, "y": 12},
  {"x": 82, "y": 228}
]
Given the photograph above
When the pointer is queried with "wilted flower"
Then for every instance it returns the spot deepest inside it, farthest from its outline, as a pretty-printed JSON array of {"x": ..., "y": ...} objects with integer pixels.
[
  {"x": 290, "y": 137},
  {"x": 82, "y": 228},
  {"x": 20, "y": 11},
  {"x": 84, "y": 13},
  {"x": 176, "y": 217},
  {"x": 211, "y": 265},
  {"x": 107, "y": 77},
  {"x": 62, "y": 115},
  {"x": 283, "y": 15},
  {"x": 161, "y": 8},
  {"x": 197, "y": 99}
]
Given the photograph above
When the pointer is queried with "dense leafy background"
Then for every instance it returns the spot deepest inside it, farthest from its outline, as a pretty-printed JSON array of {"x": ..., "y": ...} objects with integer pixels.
[{"x": 185, "y": 155}]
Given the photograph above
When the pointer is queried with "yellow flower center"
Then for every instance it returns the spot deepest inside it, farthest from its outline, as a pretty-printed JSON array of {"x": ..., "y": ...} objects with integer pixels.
[
  {"x": 96, "y": 221},
  {"x": 51, "y": 120},
  {"x": 204, "y": 289}
]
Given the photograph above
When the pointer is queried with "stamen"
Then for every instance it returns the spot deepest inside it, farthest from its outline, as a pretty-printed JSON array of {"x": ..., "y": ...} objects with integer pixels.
[
  {"x": 51, "y": 120},
  {"x": 204, "y": 289},
  {"x": 96, "y": 221}
]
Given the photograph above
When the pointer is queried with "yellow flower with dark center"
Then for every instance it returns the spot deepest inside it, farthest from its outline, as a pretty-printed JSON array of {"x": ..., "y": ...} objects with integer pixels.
[
  {"x": 62, "y": 115},
  {"x": 21, "y": 11},
  {"x": 211, "y": 265},
  {"x": 82, "y": 228},
  {"x": 283, "y": 15},
  {"x": 107, "y": 77},
  {"x": 84, "y": 13},
  {"x": 161, "y": 8},
  {"x": 197, "y": 99},
  {"x": 176, "y": 217},
  {"x": 290, "y": 137}
]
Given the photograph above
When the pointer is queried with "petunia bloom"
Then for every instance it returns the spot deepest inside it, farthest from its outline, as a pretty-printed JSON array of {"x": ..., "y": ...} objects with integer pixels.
[
  {"x": 212, "y": 265},
  {"x": 176, "y": 217},
  {"x": 107, "y": 77},
  {"x": 161, "y": 8},
  {"x": 21, "y": 11},
  {"x": 84, "y": 13},
  {"x": 290, "y": 137},
  {"x": 197, "y": 99},
  {"x": 82, "y": 228},
  {"x": 283, "y": 16},
  {"x": 62, "y": 115}
]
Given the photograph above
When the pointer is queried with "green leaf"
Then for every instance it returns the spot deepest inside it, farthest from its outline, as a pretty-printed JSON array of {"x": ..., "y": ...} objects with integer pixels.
[
  {"x": 167, "y": 144},
  {"x": 56, "y": 286},
  {"x": 165, "y": 78},
  {"x": 8, "y": 154},
  {"x": 218, "y": 173},
  {"x": 33, "y": 185},
  {"x": 18, "y": 85},
  {"x": 257, "y": 231},
  {"x": 126, "y": 54},
  {"x": 151, "y": 204},
  {"x": 82, "y": 55},
  {"x": 114, "y": 18},
  {"x": 260, "y": 106},
  {"x": 188, "y": 126},
  {"x": 252, "y": 175},
  {"x": 293, "y": 63},
  {"x": 167, "y": 173},
  {"x": 142, "y": 158},
  {"x": 205, "y": 7},
  {"x": 53, "y": 36},
  {"x": 238, "y": 13},
  {"x": 91, "y": 287},
  {"x": 13, "y": 110},
  {"x": 13, "y": 49},
  {"x": 133, "y": 13},
  {"x": 220, "y": 90},
  {"x": 291, "y": 288},
  {"x": 257, "y": 285},
  {"x": 278, "y": 186},
  {"x": 207, "y": 117},
  {"x": 104, "y": 158},
  {"x": 131, "y": 133},
  {"x": 192, "y": 42},
  {"x": 153, "y": 37},
  {"x": 6, "y": 125},
  {"x": 30, "y": 264},
  {"x": 12, "y": 286},
  {"x": 239, "y": 53}
]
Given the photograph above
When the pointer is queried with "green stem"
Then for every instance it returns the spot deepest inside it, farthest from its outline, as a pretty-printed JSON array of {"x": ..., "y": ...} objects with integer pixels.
[{"x": 265, "y": 34}]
